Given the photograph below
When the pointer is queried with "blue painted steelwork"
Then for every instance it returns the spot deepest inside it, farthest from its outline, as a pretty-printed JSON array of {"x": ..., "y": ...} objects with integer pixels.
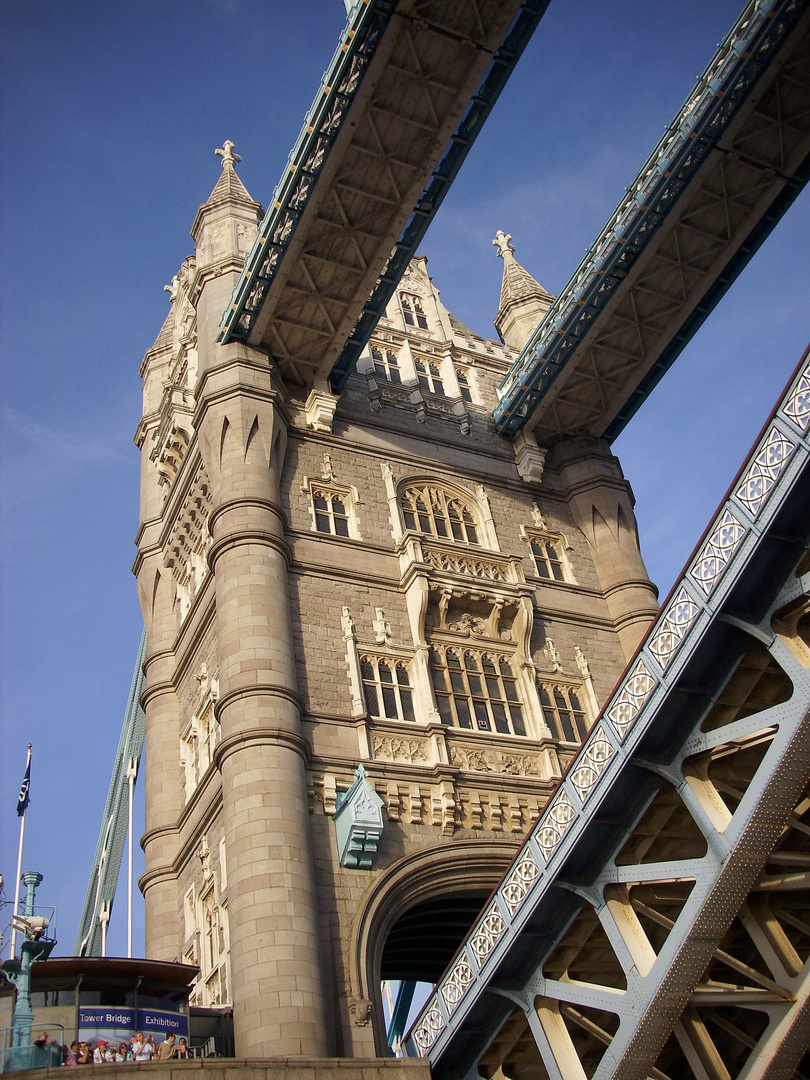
[
  {"x": 399, "y": 1016},
  {"x": 338, "y": 88},
  {"x": 733, "y": 581},
  {"x": 107, "y": 861},
  {"x": 756, "y": 238},
  {"x": 725, "y": 84},
  {"x": 481, "y": 105}
]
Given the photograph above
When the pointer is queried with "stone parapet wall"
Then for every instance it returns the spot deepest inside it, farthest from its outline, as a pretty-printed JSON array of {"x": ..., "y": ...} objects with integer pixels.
[{"x": 263, "y": 1069}]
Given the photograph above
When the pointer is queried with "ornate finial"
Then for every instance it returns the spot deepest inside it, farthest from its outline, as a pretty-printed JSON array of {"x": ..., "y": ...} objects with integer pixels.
[
  {"x": 227, "y": 155},
  {"x": 381, "y": 627},
  {"x": 582, "y": 663},
  {"x": 537, "y": 517},
  {"x": 204, "y": 855},
  {"x": 553, "y": 656},
  {"x": 502, "y": 241}
]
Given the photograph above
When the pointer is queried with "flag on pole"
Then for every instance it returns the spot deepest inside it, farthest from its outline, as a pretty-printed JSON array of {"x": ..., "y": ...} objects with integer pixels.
[{"x": 25, "y": 797}]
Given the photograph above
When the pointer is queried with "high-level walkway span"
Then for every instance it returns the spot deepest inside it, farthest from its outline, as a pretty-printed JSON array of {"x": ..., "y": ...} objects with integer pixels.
[
  {"x": 407, "y": 92},
  {"x": 726, "y": 169},
  {"x": 656, "y": 922}
]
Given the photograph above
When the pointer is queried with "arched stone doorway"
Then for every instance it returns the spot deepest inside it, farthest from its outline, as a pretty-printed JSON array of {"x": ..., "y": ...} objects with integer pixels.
[{"x": 423, "y": 904}]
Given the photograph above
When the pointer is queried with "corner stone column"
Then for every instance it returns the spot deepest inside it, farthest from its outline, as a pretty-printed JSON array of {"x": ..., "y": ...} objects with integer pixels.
[
  {"x": 277, "y": 980},
  {"x": 162, "y": 787},
  {"x": 601, "y": 503}
]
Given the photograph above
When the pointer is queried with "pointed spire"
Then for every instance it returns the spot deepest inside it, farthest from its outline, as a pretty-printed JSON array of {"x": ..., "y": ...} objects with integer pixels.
[
  {"x": 524, "y": 301},
  {"x": 230, "y": 216},
  {"x": 229, "y": 188}
]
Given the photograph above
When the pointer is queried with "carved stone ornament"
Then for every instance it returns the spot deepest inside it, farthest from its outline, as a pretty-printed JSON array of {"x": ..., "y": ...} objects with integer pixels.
[
  {"x": 530, "y": 458},
  {"x": 503, "y": 242},
  {"x": 227, "y": 154},
  {"x": 320, "y": 409},
  {"x": 360, "y": 1010},
  {"x": 204, "y": 855},
  {"x": 468, "y": 624},
  {"x": 513, "y": 764},
  {"x": 553, "y": 656},
  {"x": 538, "y": 519},
  {"x": 582, "y": 663},
  {"x": 381, "y": 627},
  {"x": 395, "y": 748}
]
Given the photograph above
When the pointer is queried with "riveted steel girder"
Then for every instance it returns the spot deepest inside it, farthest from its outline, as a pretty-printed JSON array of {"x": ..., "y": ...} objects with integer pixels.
[{"x": 656, "y": 921}]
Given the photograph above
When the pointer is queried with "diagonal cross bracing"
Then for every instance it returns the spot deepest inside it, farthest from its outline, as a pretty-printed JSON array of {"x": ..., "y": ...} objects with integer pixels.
[
  {"x": 665, "y": 886},
  {"x": 728, "y": 166},
  {"x": 404, "y": 98}
]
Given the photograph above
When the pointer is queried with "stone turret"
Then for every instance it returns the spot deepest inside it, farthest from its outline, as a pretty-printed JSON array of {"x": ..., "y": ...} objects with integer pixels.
[
  {"x": 524, "y": 301},
  {"x": 601, "y": 504},
  {"x": 223, "y": 230},
  {"x": 241, "y": 425}
]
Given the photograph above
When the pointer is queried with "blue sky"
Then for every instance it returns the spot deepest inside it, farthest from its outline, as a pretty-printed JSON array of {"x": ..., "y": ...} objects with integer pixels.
[{"x": 110, "y": 115}]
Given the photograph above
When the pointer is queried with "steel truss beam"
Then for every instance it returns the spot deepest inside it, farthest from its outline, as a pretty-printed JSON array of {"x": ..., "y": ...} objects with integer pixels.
[
  {"x": 727, "y": 168},
  {"x": 656, "y": 921},
  {"x": 404, "y": 98}
]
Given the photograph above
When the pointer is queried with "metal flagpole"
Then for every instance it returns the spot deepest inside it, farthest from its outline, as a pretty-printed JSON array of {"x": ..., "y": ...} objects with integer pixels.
[{"x": 22, "y": 804}]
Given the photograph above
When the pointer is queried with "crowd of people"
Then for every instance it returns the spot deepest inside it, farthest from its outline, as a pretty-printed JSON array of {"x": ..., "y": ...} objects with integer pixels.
[{"x": 139, "y": 1048}]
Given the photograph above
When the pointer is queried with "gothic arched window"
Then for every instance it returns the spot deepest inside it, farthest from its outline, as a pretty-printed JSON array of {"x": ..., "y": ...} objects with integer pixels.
[
  {"x": 386, "y": 365},
  {"x": 429, "y": 377},
  {"x": 564, "y": 712},
  {"x": 547, "y": 558},
  {"x": 413, "y": 312},
  {"x": 331, "y": 515},
  {"x": 476, "y": 690},
  {"x": 436, "y": 512},
  {"x": 387, "y": 689}
]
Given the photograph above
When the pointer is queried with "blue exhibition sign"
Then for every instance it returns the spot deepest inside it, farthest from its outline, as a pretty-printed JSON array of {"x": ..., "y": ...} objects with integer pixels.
[
  {"x": 120, "y": 1024},
  {"x": 162, "y": 1022}
]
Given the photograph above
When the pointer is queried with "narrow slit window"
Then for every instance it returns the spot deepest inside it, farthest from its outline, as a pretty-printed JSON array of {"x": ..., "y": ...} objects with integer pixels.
[{"x": 464, "y": 385}]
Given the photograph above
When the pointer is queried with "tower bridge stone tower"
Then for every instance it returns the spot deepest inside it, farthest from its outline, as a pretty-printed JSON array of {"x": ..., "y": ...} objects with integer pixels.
[{"x": 378, "y": 580}]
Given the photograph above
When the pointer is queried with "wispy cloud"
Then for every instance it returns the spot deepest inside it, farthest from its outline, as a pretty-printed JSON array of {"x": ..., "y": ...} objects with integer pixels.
[
  {"x": 47, "y": 472},
  {"x": 55, "y": 446}
]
